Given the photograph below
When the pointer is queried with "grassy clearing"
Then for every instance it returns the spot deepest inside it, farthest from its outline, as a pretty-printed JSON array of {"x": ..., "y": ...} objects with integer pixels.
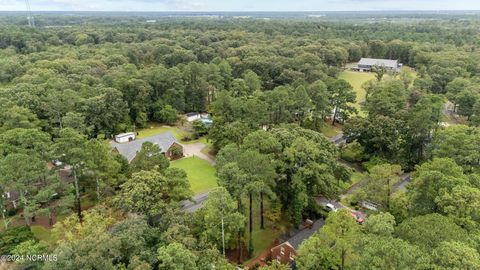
[
  {"x": 42, "y": 234},
  {"x": 200, "y": 173},
  {"x": 156, "y": 128},
  {"x": 357, "y": 79},
  {"x": 330, "y": 131},
  {"x": 178, "y": 132}
]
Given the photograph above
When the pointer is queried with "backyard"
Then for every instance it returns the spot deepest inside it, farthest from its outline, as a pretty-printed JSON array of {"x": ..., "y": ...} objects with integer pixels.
[
  {"x": 357, "y": 79},
  {"x": 200, "y": 173}
]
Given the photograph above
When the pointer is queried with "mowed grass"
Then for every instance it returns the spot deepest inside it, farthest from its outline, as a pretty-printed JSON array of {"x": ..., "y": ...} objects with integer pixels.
[
  {"x": 156, "y": 128},
  {"x": 200, "y": 173},
  {"x": 357, "y": 79}
]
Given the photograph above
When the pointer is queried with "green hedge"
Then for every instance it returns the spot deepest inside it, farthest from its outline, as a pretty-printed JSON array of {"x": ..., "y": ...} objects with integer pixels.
[{"x": 10, "y": 238}]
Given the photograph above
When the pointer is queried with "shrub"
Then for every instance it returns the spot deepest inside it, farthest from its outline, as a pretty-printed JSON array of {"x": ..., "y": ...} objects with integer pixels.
[
  {"x": 12, "y": 237},
  {"x": 353, "y": 152}
]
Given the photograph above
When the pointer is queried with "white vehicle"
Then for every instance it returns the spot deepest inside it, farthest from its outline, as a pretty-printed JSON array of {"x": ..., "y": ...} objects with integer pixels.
[{"x": 330, "y": 207}]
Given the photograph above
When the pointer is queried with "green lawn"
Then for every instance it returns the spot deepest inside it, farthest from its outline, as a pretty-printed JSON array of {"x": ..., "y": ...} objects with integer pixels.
[
  {"x": 356, "y": 79},
  {"x": 201, "y": 174},
  {"x": 156, "y": 128},
  {"x": 330, "y": 131},
  {"x": 41, "y": 233}
]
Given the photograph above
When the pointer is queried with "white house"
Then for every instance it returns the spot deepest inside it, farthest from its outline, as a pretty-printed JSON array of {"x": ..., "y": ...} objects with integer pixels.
[
  {"x": 193, "y": 116},
  {"x": 125, "y": 137}
]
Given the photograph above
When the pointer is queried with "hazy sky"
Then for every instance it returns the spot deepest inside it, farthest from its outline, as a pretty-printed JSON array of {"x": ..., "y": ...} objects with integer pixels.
[{"x": 240, "y": 5}]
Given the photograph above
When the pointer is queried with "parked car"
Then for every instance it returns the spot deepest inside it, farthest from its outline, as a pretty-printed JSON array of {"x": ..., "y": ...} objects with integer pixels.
[
  {"x": 330, "y": 207},
  {"x": 358, "y": 219}
]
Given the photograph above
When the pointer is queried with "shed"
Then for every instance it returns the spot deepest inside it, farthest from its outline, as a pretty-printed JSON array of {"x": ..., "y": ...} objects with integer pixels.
[{"x": 125, "y": 137}]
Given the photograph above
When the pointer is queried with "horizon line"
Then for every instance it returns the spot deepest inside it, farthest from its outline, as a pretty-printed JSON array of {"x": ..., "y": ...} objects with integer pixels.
[{"x": 253, "y": 11}]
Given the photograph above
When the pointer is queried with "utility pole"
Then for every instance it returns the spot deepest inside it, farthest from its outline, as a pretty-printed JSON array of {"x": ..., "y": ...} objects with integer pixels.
[
  {"x": 30, "y": 18},
  {"x": 223, "y": 237}
]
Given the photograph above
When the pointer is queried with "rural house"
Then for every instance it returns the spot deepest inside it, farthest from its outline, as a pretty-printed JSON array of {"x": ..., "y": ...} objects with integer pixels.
[
  {"x": 286, "y": 252},
  {"x": 193, "y": 116},
  {"x": 367, "y": 64},
  {"x": 166, "y": 141}
]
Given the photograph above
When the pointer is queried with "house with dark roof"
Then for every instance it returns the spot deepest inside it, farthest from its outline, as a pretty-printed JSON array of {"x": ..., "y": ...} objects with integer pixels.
[
  {"x": 165, "y": 141},
  {"x": 367, "y": 64},
  {"x": 286, "y": 252}
]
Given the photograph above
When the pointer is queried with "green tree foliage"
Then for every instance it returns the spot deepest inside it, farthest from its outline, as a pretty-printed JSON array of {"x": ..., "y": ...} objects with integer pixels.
[
  {"x": 13, "y": 237},
  {"x": 219, "y": 215},
  {"x": 432, "y": 180},
  {"x": 379, "y": 184},
  {"x": 167, "y": 115},
  {"x": 150, "y": 157},
  {"x": 455, "y": 255},
  {"x": 333, "y": 245},
  {"x": 176, "y": 256},
  {"x": 430, "y": 231},
  {"x": 150, "y": 192},
  {"x": 391, "y": 253},
  {"x": 458, "y": 143}
]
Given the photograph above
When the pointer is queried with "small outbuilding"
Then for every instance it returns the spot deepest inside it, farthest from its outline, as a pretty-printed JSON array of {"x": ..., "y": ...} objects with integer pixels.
[{"x": 125, "y": 137}]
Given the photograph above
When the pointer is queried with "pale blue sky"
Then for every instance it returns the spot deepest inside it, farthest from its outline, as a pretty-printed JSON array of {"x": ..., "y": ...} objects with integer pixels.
[{"x": 240, "y": 5}]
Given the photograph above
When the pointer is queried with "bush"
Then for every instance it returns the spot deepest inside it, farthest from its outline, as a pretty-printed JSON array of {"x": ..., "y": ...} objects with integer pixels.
[
  {"x": 353, "y": 152},
  {"x": 199, "y": 129},
  {"x": 373, "y": 162},
  {"x": 11, "y": 212},
  {"x": 177, "y": 151},
  {"x": 12, "y": 237},
  {"x": 353, "y": 202}
]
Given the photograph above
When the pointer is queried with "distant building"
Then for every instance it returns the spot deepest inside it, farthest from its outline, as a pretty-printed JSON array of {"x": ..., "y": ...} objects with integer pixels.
[
  {"x": 125, "y": 137},
  {"x": 193, "y": 116},
  {"x": 165, "y": 141},
  {"x": 206, "y": 121},
  {"x": 367, "y": 64}
]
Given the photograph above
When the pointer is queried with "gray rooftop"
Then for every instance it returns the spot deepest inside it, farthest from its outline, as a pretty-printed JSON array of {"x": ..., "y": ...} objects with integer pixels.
[
  {"x": 130, "y": 149},
  {"x": 378, "y": 62}
]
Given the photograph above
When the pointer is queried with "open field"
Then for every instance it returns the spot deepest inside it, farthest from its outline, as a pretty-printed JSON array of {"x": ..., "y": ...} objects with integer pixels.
[
  {"x": 201, "y": 174},
  {"x": 357, "y": 79}
]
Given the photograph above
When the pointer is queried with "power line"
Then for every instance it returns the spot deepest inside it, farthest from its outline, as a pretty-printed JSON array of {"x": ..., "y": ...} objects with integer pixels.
[{"x": 31, "y": 19}]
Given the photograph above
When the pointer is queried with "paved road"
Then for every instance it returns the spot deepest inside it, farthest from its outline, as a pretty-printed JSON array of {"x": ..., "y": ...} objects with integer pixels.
[
  {"x": 195, "y": 204},
  {"x": 404, "y": 180},
  {"x": 324, "y": 201}
]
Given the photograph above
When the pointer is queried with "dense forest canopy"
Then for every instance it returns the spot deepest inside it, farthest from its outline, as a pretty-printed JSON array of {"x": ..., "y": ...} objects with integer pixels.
[{"x": 274, "y": 89}]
